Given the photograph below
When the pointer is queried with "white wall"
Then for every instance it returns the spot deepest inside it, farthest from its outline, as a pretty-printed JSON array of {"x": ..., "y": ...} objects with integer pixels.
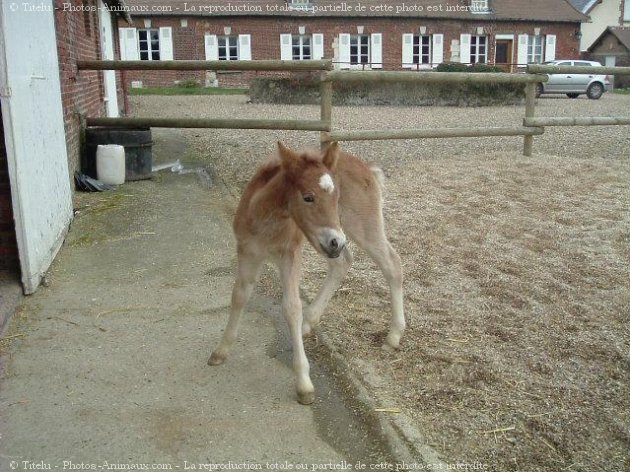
[
  {"x": 602, "y": 16},
  {"x": 35, "y": 136}
]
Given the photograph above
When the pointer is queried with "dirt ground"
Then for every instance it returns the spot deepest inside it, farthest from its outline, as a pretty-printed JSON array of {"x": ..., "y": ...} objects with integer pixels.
[{"x": 517, "y": 277}]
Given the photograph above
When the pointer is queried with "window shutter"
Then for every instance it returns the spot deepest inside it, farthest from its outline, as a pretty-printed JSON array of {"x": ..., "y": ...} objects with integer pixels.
[
  {"x": 245, "y": 47},
  {"x": 522, "y": 49},
  {"x": 550, "y": 47},
  {"x": 212, "y": 47},
  {"x": 438, "y": 49},
  {"x": 377, "y": 50},
  {"x": 166, "y": 44},
  {"x": 286, "y": 53},
  {"x": 318, "y": 46},
  {"x": 407, "y": 51},
  {"x": 129, "y": 50},
  {"x": 464, "y": 49},
  {"x": 344, "y": 51}
]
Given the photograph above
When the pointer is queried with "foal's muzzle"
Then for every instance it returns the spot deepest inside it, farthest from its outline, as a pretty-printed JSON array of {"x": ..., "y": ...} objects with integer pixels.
[{"x": 332, "y": 243}]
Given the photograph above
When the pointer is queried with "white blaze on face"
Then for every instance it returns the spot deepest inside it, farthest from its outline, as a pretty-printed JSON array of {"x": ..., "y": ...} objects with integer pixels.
[{"x": 326, "y": 182}]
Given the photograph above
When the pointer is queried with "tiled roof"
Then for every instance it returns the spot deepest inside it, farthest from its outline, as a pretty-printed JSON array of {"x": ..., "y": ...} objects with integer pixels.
[
  {"x": 581, "y": 5},
  {"x": 500, "y": 10},
  {"x": 622, "y": 34}
]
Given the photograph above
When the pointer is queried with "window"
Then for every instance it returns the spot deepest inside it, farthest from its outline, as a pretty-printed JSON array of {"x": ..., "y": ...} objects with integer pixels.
[
  {"x": 149, "y": 40},
  {"x": 422, "y": 49},
  {"x": 301, "y": 47},
  {"x": 535, "y": 50},
  {"x": 479, "y": 6},
  {"x": 360, "y": 49},
  {"x": 228, "y": 48},
  {"x": 626, "y": 10},
  {"x": 299, "y": 4},
  {"x": 478, "y": 49}
]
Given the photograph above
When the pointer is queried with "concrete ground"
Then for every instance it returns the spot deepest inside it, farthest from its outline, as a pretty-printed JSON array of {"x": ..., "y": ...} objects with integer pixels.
[{"x": 107, "y": 363}]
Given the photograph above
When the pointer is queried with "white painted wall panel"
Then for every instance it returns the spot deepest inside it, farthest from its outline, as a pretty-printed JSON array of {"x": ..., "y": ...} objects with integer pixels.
[{"x": 35, "y": 136}]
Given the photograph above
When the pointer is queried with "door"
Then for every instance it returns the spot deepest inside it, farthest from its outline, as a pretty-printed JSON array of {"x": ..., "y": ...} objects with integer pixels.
[
  {"x": 35, "y": 139},
  {"x": 611, "y": 61},
  {"x": 107, "y": 53},
  {"x": 503, "y": 54}
]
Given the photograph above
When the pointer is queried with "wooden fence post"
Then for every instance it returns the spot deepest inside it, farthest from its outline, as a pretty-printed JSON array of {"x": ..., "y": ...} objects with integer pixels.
[
  {"x": 326, "y": 92},
  {"x": 530, "y": 109}
]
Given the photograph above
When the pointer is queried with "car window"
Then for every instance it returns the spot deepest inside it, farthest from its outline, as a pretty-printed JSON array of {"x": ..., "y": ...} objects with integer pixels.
[
  {"x": 564, "y": 63},
  {"x": 583, "y": 64}
]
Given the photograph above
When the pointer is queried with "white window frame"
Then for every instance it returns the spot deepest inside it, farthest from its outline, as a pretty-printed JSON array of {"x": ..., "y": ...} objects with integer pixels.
[
  {"x": 354, "y": 38},
  {"x": 479, "y": 6},
  {"x": 300, "y": 39},
  {"x": 304, "y": 5},
  {"x": 475, "y": 47},
  {"x": 226, "y": 39},
  {"x": 535, "y": 49},
  {"x": 419, "y": 58},
  {"x": 149, "y": 51}
]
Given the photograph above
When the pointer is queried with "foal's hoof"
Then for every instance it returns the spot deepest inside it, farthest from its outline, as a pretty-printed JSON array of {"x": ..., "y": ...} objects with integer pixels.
[
  {"x": 306, "y": 398},
  {"x": 216, "y": 359},
  {"x": 307, "y": 330},
  {"x": 392, "y": 343}
]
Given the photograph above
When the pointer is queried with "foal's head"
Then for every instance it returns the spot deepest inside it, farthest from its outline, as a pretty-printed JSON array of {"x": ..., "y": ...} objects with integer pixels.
[{"x": 313, "y": 195}]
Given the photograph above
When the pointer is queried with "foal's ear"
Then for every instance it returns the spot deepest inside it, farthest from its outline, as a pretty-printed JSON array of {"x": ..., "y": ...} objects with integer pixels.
[
  {"x": 332, "y": 156},
  {"x": 287, "y": 156}
]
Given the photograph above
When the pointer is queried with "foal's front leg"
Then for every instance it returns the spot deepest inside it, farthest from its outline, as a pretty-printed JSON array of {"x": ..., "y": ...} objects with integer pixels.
[
  {"x": 290, "y": 265},
  {"x": 337, "y": 270}
]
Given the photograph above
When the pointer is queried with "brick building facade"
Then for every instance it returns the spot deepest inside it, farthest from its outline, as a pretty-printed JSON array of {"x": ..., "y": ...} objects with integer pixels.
[
  {"x": 83, "y": 94},
  {"x": 508, "y": 32}
]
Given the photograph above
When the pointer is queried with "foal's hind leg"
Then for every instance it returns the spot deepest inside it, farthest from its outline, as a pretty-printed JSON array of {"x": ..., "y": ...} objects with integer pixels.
[
  {"x": 369, "y": 234},
  {"x": 246, "y": 277},
  {"x": 337, "y": 270}
]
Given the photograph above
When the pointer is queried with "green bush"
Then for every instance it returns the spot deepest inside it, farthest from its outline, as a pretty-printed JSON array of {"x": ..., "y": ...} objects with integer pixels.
[
  {"x": 188, "y": 84},
  {"x": 458, "y": 67}
]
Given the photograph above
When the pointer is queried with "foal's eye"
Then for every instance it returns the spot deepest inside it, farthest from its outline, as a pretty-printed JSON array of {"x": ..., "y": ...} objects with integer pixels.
[{"x": 309, "y": 198}]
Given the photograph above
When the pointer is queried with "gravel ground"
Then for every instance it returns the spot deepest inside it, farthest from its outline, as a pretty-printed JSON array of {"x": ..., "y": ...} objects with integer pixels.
[{"x": 517, "y": 274}]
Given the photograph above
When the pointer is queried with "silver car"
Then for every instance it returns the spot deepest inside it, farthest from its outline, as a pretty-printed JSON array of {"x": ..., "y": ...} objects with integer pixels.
[{"x": 574, "y": 85}]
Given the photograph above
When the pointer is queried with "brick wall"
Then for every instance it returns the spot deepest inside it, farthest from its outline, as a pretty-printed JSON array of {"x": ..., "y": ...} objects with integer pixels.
[
  {"x": 188, "y": 42},
  {"x": 8, "y": 246},
  {"x": 82, "y": 91}
]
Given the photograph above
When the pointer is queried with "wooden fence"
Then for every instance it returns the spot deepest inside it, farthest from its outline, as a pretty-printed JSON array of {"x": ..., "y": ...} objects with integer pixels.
[{"x": 532, "y": 125}]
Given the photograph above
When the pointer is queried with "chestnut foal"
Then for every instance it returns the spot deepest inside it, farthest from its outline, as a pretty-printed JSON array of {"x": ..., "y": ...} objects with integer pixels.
[{"x": 298, "y": 196}]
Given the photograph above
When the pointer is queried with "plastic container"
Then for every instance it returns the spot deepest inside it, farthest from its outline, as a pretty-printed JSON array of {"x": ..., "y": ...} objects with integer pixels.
[
  {"x": 138, "y": 150},
  {"x": 110, "y": 164}
]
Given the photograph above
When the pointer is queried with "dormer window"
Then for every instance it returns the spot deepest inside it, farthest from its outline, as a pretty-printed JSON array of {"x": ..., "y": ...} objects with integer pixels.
[
  {"x": 479, "y": 6},
  {"x": 299, "y": 4}
]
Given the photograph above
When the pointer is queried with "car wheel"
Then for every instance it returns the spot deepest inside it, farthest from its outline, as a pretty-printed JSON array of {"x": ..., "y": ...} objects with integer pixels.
[
  {"x": 539, "y": 89},
  {"x": 595, "y": 91},
  {"x": 573, "y": 95}
]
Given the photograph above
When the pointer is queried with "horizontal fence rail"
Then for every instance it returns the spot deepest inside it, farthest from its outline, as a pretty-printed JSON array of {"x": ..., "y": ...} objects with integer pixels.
[
  {"x": 299, "y": 125},
  {"x": 432, "y": 77},
  {"x": 374, "y": 135},
  {"x": 542, "y": 69},
  {"x": 532, "y": 126},
  {"x": 310, "y": 65},
  {"x": 576, "y": 121}
]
